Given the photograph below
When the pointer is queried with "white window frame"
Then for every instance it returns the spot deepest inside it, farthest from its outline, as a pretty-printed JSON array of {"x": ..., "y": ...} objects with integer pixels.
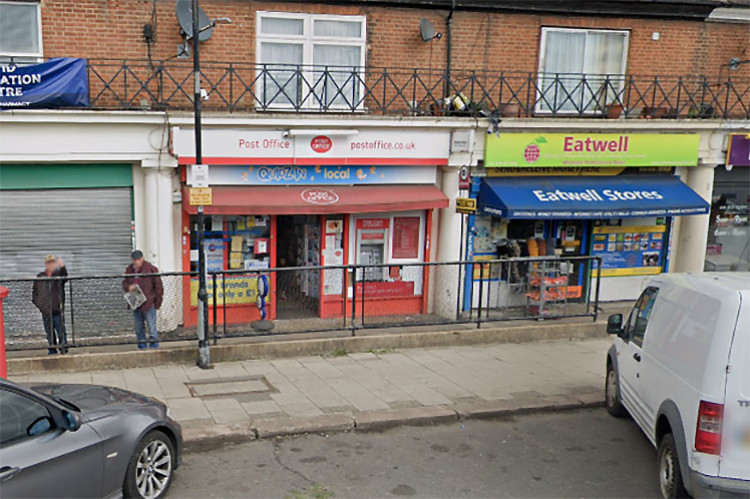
[
  {"x": 38, "y": 56},
  {"x": 308, "y": 41},
  {"x": 543, "y": 49}
]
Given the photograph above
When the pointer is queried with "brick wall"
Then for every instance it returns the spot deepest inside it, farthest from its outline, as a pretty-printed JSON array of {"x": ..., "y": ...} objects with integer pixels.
[
  {"x": 484, "y": 41},
  {"x": 112, "y": 29}
]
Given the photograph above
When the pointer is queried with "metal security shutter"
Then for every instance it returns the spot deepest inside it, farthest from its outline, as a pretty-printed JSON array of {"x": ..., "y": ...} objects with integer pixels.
[{"x": 89, "y": 228}]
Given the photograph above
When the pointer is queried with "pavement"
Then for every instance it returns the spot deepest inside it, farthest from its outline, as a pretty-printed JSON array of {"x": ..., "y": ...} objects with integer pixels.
[{"x": 340, "y": 391}]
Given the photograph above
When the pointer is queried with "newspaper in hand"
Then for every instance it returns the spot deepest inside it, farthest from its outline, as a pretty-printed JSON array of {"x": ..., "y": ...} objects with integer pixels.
[{"x": 135, "y": 298}]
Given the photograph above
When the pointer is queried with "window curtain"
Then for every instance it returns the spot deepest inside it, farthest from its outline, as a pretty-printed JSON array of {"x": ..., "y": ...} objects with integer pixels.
[
  {"x": 604, "y": 53},
  {"x": 280, "y": 80},
  {"x": 337, "y": 75},
  {"x": 19, "y": 29},
  {"x": 561, "y": 72}
]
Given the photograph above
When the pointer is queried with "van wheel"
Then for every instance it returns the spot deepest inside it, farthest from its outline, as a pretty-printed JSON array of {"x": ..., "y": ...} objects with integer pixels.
[
  {"x": 612, "y": 395},
  {"x": 670, "y": 477}
]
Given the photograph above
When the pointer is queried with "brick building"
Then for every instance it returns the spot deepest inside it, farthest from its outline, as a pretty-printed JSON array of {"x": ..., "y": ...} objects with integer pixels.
[{"x": 336, "y": 88}]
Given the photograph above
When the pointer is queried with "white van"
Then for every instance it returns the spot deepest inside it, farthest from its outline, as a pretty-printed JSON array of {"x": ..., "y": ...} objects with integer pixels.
[{"x": 680, "y": 366}]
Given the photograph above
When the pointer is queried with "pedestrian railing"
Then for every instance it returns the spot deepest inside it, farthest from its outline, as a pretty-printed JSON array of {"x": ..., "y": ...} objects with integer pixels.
[
  {"x": 244, "y": 87},
  {"x": 342, "y": 299}
]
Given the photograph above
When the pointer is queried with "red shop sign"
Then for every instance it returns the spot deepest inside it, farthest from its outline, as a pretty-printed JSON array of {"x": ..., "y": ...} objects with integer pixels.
[
  {"x": 373, "y": 223},
  {"x": 321, "y": 144}
]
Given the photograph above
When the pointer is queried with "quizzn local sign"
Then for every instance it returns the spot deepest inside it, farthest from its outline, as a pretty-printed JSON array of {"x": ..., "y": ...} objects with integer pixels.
[{"x": 586, "y": 150}]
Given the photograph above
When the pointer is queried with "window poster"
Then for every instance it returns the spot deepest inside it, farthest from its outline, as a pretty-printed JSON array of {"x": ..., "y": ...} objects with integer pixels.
[
  {"x": 405, "y": 237},
  {"x": 629, "y": 250}
]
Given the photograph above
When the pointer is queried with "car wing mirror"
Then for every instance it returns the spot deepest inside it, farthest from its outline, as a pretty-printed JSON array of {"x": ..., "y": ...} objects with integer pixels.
[
  {"x": 72, "y": 420},
  {"x": 614, "y": 324}
]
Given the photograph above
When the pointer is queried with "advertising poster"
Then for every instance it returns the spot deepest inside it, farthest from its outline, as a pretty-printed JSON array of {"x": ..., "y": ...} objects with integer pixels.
[
  {"x": 239, "y": 291},
  {"x": 630, "y": 250}
]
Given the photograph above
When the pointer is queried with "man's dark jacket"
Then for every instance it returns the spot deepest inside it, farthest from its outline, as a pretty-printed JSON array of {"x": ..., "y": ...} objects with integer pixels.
[
  {"x": 49, "y": 294},
  {"x": 150, "y": 285}
]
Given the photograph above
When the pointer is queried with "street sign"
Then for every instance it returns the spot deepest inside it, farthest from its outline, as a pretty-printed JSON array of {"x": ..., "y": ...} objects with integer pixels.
[
  {"x": 464, "y": 178},
  {"x": 467, "y": 206},
  {"x": 201, "y": 196},
  {"x": 199, "y": 175}
]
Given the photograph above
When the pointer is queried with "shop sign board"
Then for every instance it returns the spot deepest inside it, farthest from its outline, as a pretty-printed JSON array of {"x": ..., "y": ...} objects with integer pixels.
[
  {"x": 59, "y": 82},
  {"x": 318, "y": 175},
  {"x": 629, "y": 250},
  {"x": 239, "y": 291},
  {"x": 591, "y": 149},
  {"x": 201, "y": 196},
  {"x": 277, "y": 147},
  {"x": 467, "y": 206},
  {"x": 570, "y": 171},
  {"x": 738, "y": 150}
]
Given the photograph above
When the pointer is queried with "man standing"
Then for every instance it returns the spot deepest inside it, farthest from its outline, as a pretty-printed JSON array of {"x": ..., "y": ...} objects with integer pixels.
[
  {"x": 151, "y": 287},
  {"x": 48, "y": 295}
]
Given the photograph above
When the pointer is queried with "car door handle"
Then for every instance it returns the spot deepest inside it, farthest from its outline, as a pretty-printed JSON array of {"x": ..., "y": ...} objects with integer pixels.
[
  {"x": 637, "y": 357},
  {"x": 6, "y": 473}
]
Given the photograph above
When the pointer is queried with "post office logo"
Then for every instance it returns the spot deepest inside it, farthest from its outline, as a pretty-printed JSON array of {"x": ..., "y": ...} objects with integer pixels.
[
  {"x": 321, "y": 144},
  {"x": 319, "y": 196}
]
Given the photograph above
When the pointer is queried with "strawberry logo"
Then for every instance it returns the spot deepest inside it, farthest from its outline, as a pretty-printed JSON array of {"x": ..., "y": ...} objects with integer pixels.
[{"x": 532, "y": 151}]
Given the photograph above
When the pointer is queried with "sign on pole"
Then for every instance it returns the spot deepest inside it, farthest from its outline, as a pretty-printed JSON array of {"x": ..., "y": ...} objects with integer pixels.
[
  {"x": 199, "y": 175},
  {"x": 466, "y": 206},
  {"x": 201, "y": 196}
]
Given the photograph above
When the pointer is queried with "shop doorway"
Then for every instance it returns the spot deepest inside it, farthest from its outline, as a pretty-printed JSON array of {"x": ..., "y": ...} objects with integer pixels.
[{"x": 297, "y": 245}]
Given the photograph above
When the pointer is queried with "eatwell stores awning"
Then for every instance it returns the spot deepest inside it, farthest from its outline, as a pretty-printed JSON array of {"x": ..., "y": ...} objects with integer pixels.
[
  {"x": 588, "y": 197},
  {"x": 318, "y": 200}
]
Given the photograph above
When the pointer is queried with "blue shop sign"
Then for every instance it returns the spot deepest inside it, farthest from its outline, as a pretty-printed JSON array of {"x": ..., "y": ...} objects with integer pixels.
[{"x": 61, "y": 82}]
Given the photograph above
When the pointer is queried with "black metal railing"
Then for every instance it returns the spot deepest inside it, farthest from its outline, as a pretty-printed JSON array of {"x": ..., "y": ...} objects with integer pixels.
[
  {"x": 240, "y": 87},
  {"x": 343, "y": 299}
]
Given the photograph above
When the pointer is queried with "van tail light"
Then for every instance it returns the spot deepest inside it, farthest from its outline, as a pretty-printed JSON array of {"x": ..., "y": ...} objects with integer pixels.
[{"x": 708, "y": 428}]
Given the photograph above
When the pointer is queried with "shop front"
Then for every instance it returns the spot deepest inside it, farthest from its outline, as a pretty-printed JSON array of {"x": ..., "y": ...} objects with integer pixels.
[
  {"x": 611, "y": 196},
  {"x": 728, "y": 244},
  {"x": 292, "y": 201}
]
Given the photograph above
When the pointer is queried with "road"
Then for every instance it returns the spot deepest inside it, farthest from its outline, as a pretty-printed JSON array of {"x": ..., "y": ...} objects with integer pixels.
[{"x": 583, "y": 453}]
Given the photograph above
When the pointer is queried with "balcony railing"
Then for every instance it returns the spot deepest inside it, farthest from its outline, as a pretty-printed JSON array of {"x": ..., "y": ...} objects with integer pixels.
[{"x": 235, "y": 87}]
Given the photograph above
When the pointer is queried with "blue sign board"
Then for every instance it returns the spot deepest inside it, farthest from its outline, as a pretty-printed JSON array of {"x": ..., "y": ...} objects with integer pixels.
[
  {"x": 589, "y": 197},
  {"x": 61, "y": 82},
  {"x": 317, "y": 175}
]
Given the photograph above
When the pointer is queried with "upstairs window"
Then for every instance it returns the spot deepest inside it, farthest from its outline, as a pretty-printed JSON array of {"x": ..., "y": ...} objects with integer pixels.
[
  {"x": 310, "y": 61},
  {"x": 581, "y": 70},
  {"x": 20, "y": 32}
]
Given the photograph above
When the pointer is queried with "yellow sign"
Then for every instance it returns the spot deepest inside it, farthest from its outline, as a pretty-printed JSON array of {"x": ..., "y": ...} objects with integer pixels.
[
  {"x": 201, "y": 196},
  {"x": 466, "y": 205},
  {"x": 239, "y": 291},
  {"x": 568, "y": 171},
  {"x": 624, "y": 229},
  {"x": 628, "y": 271}
]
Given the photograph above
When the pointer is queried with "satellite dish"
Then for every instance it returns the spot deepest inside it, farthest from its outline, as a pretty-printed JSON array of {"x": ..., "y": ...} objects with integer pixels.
[
  {"x": 184, "y": 10},
  {"x": 427, "y": 30}
]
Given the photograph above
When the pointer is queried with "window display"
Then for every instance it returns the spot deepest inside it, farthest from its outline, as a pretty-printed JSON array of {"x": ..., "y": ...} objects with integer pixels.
[{"x": 728, "y": 246}]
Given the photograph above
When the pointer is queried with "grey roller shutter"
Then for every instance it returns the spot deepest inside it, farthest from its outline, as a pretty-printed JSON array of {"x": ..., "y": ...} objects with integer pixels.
[
  {"x": 91, "y": 230},
  {"x": 88, "y": 228}
]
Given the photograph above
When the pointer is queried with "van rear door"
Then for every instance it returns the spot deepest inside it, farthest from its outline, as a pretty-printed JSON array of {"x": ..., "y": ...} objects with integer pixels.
[{"x": 735, "y": 445}]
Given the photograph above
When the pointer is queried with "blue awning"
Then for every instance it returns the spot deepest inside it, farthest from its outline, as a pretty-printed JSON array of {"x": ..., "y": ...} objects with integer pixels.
[{"x": 588, "y": 197}]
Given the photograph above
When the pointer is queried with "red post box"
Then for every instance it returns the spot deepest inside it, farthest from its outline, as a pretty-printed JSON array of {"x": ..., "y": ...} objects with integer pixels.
[{"x": 3, "y": 362}]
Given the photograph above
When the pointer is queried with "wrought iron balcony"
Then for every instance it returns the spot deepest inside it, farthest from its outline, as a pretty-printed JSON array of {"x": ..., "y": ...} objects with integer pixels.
[{"x": 235, "y": 87}]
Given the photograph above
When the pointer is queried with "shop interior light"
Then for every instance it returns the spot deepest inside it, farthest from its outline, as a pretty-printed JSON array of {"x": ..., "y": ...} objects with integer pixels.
[{"x": 294, "y": 132}]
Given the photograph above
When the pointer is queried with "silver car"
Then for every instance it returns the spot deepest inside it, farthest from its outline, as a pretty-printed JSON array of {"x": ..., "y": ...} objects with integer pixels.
[{"x": 84, "y": 441}]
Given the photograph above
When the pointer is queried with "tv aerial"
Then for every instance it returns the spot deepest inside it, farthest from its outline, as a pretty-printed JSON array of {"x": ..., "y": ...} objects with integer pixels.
[{"x": 184, "y": 10}]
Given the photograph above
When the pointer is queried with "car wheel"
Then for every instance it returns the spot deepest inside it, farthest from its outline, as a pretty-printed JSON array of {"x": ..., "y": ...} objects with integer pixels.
[
  {"x": 151, "y": 466},
  {"x": 612, "y": 395},
  {"x": 670, "y": 476}
]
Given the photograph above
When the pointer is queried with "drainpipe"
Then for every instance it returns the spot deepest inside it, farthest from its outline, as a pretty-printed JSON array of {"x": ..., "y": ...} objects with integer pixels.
[{"x": 448, "y": 40}]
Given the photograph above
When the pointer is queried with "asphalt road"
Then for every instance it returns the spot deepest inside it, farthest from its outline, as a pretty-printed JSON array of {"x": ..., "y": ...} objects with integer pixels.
[{"x": 584, "y": 453}]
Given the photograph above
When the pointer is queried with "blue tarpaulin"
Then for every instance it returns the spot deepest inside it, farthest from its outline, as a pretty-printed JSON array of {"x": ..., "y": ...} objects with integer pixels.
[
  {"x": 588, "y": 197},
  {"x": 61, "y": 82}
]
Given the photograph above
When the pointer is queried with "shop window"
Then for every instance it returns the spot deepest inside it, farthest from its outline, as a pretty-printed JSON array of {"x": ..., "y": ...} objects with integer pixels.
[
  {"x": 232, "y": 242},
  {"x": 581, "y": 70},
  {"x": 310, "y": 61},
  {"x": 729, "y": 230},
  {"x": 20, "y": 32}
]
